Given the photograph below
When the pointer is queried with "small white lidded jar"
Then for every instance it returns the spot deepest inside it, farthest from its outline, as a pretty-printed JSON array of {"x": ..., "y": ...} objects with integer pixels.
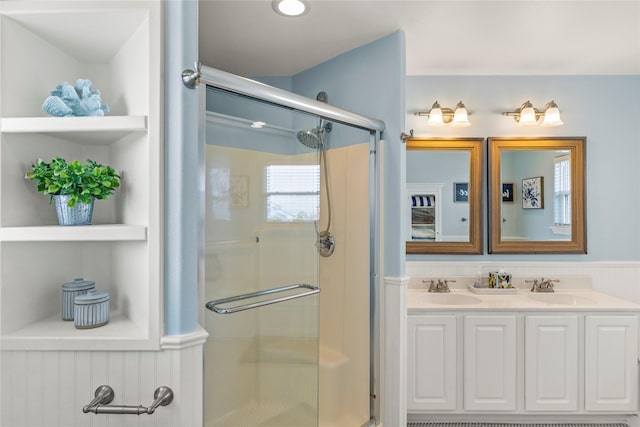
[
  {"x": 91, "y": 310},
  {"x": 70, "y": 290}
]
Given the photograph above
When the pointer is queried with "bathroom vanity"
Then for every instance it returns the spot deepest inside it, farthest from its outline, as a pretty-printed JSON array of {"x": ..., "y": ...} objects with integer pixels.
[{"x": 572, "y": 351}]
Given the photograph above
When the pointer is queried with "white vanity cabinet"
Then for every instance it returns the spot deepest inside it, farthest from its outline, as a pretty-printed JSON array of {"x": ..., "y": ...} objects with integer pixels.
[
  {"x": 490, "y": 363},
  {"x": 432, "y": 363},
  {"x": 523, "y": 363},
  {"x": 611, "y": 363},
  {"x": 434, "y": 370},
  {"x": 551, "y": 363}
]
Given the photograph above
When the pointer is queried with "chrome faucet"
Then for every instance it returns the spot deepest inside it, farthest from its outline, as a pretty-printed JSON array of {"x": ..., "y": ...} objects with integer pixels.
[
  {"x": 440, "y": 286},
  {"x": 543, "y": 286}
]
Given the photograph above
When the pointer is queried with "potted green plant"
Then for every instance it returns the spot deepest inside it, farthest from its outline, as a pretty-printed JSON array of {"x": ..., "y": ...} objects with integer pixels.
[{"x": 74, "y": 186}]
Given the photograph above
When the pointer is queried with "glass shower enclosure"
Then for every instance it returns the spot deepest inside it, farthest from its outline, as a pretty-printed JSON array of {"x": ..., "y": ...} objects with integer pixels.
[{"x": 291, "y": 324}]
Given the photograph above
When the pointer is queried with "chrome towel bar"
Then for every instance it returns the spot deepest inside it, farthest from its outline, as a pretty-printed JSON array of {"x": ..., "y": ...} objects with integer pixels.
[
  {"x": 104, "y": 395},
  {"x": 214, "y": 305}
]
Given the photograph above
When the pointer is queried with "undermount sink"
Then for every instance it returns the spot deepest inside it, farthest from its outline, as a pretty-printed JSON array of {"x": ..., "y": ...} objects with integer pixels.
[
  {"x": 450, "y": 299},
  {"x": 562, "y": 299}
]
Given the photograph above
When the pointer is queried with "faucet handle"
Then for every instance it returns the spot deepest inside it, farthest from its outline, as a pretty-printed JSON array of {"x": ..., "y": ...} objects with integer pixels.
[
  {"x": 430, "y": 282},
  {"x": 442, "y": 285},
  {"x": 534, "y": 282}
]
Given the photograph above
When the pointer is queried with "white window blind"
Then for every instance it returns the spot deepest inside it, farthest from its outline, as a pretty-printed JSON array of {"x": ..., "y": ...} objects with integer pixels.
[
  {"x": 292, "y": 192},
  {"x": 562, "y": 191}
]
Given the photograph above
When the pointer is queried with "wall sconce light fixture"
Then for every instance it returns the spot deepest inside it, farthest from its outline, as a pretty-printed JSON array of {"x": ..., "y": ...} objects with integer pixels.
[
  {"x": 527, "y": 114},
  {"x": 439, "y": 116}
]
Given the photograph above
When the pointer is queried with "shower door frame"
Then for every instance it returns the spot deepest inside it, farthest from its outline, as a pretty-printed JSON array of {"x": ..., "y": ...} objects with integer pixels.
[{"x": 255, "y": 90}]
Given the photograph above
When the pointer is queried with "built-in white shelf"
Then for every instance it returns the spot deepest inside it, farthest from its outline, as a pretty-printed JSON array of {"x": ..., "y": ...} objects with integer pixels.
[
  {"x": 54, "y": 333},
  {"x": 84, "y": 130},
  {"x": 83, "y": 233},
  {"x": 120, "y": 251}
]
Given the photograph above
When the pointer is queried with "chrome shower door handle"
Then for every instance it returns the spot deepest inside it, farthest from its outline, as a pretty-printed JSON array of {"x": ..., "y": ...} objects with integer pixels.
[{"x": 214, "y": 305}]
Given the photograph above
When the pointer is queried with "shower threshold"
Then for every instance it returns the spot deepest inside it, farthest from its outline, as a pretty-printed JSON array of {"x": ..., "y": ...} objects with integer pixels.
[
  {"x": 256, "y": 414},
  {"x": 277, "y": 415}
]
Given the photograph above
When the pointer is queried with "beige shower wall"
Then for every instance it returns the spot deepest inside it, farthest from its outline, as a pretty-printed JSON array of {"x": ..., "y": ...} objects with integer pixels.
[{"x": 344, "y": 279}]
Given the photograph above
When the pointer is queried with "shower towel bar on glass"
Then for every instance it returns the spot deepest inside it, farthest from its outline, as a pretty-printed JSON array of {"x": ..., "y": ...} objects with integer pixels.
[{"x": 214, "y": 304}]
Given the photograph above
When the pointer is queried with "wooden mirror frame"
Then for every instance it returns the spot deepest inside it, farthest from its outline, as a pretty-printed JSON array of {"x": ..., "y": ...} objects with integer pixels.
[
  {"x": 475, "y": 148},
  {"x": 576, "y": 148}
]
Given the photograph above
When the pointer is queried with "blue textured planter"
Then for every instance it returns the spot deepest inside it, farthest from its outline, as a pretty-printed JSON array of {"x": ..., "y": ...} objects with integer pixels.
[{"x": 80, "y": 214}]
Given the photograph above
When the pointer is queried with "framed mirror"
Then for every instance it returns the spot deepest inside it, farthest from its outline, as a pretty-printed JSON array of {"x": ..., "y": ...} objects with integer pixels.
[
  {"x": 443, "y": 204},
  {"x": 537, "y": 195}
]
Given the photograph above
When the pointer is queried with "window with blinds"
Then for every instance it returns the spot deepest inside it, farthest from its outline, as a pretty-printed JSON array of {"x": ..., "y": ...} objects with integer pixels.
[
  {"x": 292, "y": 193},
  {"x": 562, "y": 191}
]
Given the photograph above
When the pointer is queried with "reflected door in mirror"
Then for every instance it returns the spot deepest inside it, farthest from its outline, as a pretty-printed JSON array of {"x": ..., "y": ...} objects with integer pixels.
[{"x": 444, "y": 195}]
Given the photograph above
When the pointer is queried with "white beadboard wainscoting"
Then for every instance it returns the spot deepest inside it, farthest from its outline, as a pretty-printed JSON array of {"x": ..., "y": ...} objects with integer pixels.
[
  {"x": 394, "y": 358},
  {"x": 49, "y": 388}
]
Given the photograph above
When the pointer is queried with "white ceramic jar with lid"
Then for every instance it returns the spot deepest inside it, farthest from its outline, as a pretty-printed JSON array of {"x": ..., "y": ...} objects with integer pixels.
[
  {"x": 70, "y": 290},
  {"x": 91, "y": 310}
]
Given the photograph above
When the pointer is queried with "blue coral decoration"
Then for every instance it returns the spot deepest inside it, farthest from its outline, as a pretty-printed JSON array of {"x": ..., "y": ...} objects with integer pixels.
[{"x": 66, "y": 100}]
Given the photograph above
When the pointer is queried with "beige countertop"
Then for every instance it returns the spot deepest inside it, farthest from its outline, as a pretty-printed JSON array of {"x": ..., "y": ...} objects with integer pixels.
[{"x": 570, "y": 294}]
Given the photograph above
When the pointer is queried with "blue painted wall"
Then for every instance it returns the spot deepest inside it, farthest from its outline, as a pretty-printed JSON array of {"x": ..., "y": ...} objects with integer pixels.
[
  {"x": 369, "y": 80},
  {"x": 183, "y": 157},
  {"x": 605, "y": 109}
]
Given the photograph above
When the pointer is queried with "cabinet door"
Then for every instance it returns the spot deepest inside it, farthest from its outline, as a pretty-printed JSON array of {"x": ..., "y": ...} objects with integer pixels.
[
  {"x": 611, "y": 363},
  {"x": 431, "y": 376},
  {"x": 490, "y": 363},
  {"x": 551, "y": 363}
]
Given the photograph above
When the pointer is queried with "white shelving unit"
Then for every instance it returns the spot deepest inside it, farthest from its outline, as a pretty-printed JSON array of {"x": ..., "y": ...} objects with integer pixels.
[
  {"x": 425, "y": 218},
  {"x": 117, "y": 45}
]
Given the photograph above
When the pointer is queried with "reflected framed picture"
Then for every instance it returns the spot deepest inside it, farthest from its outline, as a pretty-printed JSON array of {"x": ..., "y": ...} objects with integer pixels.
[
  {"x": 508, "y": 192},
  {"x": 533, "y": 193},
  {"x": 461, "y": 192},
  {"x": 239, "y": 191}
]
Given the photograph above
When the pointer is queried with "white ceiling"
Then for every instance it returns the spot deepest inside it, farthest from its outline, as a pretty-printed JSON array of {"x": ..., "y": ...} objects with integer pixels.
[{"x": 476, "y": 37}]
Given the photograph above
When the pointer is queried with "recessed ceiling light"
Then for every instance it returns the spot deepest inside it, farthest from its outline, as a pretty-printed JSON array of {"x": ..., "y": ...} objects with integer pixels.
[
  {"x": 290, "y": 7},
  {"x": 257, "y": 125}
]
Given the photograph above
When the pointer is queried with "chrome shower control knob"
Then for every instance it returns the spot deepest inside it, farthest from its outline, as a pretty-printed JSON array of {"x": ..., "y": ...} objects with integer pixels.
[{"x": 325, "y": 244}]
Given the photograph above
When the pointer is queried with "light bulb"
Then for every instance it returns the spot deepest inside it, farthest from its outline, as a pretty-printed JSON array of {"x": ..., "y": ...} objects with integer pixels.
[
  {"x": 435, "y": 116},
  {"x": 460, "y": 116},
  {"x": 290, "y": 7},
  {"x": 551, "y": 116},
  {"x": 527, "y": 114}
]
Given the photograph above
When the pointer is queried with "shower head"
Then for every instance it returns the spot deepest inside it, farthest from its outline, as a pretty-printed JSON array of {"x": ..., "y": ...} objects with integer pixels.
[
  {"x": 322, "y": 97},
  {"x": 314, "y": 138},
  {"x": 311, "y": 138}
]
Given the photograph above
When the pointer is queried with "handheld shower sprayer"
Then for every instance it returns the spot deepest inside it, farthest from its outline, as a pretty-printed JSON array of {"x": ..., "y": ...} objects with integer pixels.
[{"x": 314, "y": 139}]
